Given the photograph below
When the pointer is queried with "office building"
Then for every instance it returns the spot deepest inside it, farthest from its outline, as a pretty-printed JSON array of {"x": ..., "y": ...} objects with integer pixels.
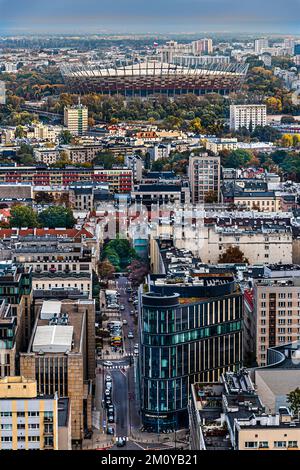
[
  {"x": 204, "y": 176},
  {"x": 61, "y": 356},
  {"x": 277, "y": 311},
  {"x": 248, "y": 115},
  {"x": 191, "y": 330},
  {"x": 76, "y": 119},
  {"x": 16, "y": 289}
]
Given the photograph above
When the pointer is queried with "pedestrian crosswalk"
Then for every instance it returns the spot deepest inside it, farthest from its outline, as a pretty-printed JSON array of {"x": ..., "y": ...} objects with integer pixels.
[{"x": 117, "y": 367}]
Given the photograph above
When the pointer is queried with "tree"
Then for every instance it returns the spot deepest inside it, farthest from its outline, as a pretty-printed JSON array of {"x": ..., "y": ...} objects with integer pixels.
[
  {"x": 287, "y": 140},
  {"x": 43, "y": 197},
  {"x": 137, "y": 272},
  {"x": 106, "y": 269},
  {"x": 105, "y": 159},
  {"x": 211, "y": 197},
  {"x": 195, "y": 125},
  {"x": 57, "y": 217},
  {"x": 237, "y": 158},
  {"x": 23, "y": 216},
  {"x": 233, "y": 255},
  {"x": 293, "y": 399},
  {"x": 65, "y": 137}
]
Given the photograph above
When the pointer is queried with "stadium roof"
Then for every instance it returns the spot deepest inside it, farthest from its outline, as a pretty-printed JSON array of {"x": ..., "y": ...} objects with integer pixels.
[{"x": 151, "y": 67}]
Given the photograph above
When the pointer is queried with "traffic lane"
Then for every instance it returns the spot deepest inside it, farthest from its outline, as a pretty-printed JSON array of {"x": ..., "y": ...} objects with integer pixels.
[{"x": 120, "y": 400}]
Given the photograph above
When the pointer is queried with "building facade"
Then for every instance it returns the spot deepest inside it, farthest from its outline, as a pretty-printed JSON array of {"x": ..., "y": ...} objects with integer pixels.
[
  {"x": 28, "y": 421},
  {"x": 204, "y": 177},
  {"x": 187, "y": 334},
  {"x": 248, "y": 115}
]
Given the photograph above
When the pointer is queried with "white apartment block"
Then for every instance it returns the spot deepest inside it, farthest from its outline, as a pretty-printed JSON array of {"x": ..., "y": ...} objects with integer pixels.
[
  {"x": 247, "y": 115},
  {"x": 277, "y": 312},
  {"x": 217, "y": 145},
  {"x": 260, "y": 44}
]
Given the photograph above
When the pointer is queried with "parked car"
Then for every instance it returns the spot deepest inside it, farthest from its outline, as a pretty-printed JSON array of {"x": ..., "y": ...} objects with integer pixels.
[
  {"x": 130, "y": 335},
  {"x": 121, "y": 442},
  {"x": 107, "y": 364},
  {"x": 122, "y": 307},
  {"x": 108, "y": 401},
  {"x": 110, "y": 430},
  {"x": 107, "y": 392},
  {"x": 108, "y": 379},
  {"x": 131, "y": 312},
  {"x": 125, "y": 322},
  {"x": 111, "y": 418},
  {"x": 136, "y": 351}
]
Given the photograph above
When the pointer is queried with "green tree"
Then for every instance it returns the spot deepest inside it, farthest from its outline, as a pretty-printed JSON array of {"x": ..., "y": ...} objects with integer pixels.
[
  {"x": 57, "y": 217},
  {"x": 237, "y": 158},
  {"x": 23, "y": 216},
  {"x": 65, "y": 137},
  {"x": 105, "y": 159},
  {"x": 293, "y": 399}
]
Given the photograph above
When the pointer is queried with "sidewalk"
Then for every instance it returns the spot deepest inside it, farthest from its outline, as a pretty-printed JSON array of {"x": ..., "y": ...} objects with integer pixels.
[{"x": 99, "y": 440}]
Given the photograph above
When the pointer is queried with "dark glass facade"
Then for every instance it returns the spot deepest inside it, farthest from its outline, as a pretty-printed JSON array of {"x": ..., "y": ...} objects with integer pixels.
[{"x": 185, "y": 341}]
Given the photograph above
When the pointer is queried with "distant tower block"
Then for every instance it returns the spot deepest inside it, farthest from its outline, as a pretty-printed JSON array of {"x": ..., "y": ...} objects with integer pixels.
[{"x": 2, "y": 93}]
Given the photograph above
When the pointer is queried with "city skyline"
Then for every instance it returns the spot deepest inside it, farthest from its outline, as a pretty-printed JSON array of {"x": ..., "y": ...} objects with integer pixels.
[{"x": 176, "y": 16}]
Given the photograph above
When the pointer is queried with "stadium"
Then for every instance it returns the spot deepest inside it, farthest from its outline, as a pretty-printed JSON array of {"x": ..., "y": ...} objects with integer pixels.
[{"x": 153, "y": 77}]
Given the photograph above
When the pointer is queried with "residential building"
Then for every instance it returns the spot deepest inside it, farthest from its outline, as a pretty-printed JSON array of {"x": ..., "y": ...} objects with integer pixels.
[
  {"x": 76, "y": 119},
  {"x": 248, "y": 115},
  {"x": 217, "y": 145},
  {"x": 230, "y": 415},
  {"x": 204, "y": 176},
  {"x": 28, "y": 420},
  {"x": 277, "y": 311},
  {"x": 260, "y": 45}
]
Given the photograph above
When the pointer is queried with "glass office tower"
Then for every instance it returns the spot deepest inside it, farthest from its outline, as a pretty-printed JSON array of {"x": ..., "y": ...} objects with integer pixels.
[{"x": 188, "y": 334}]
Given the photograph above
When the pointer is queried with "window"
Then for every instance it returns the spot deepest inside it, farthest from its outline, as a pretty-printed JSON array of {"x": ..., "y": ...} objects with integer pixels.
[
  {"x": 21, "y": 414},
  {"x": 251, "y": 445},
  {"x": 263, "y": 444},
  {"x": 279, "y": 444},
  {"x": 293, "y": 444},
  {"x": 6, "y": 438},
  {"x": 6, "y": 427}
]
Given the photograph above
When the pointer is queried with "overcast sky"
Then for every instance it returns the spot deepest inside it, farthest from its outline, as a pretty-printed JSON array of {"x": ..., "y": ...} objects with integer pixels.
[{"x": 149, "y": 16}]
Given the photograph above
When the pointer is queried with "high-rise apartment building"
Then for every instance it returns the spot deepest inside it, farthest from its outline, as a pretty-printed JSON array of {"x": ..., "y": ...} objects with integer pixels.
[
  {"x": 277, "y": 311},
  {"x": 76, "y": 119},
  {"x": 204, "y": 176},
  {"x": 260, "y": 44},
  {"x": 248, "y": 115},
  {"x": 28, "y": 421},
  {"x": 202, "y": 46}
]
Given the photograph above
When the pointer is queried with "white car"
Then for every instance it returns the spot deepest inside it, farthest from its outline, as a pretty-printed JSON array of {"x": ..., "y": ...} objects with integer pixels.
[
  {"x": 107, "y": 364},
  {"x": 130, "y": 335},
  {"x": 125, "y": 322}
]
